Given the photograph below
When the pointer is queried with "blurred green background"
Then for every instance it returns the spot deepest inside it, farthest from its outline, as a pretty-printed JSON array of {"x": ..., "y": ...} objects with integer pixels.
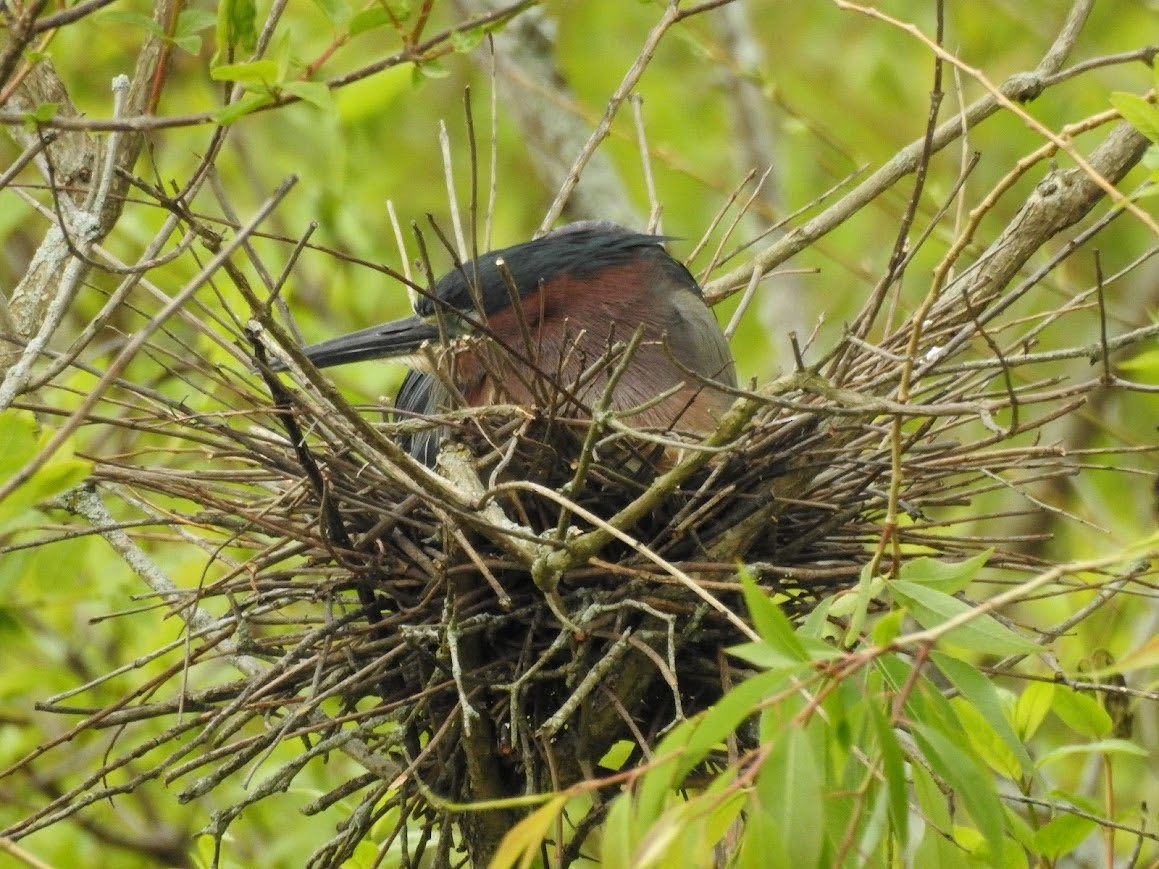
[{"x": 837, "y": 92}]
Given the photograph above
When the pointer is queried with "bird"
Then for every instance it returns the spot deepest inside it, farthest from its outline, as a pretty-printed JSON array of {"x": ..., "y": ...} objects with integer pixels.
[{"x": 583, "y": 289}]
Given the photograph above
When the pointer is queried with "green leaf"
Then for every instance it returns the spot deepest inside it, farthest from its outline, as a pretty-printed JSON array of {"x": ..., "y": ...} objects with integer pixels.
[
  {"x": 42, "y": 114},
  {"x": 337, "y": 12},
  {"x": 21, "y": 438},
  {"x": 520, "y": 847},
  {"x": 617, "y": 841},
  {"x": 772, "y": 624},
  {"x": 18, "y": 440},
  {"x": 935, "y": 847},
  {"x": 1143, "y": 116},
  {"x": 763, "y": 843},
  {"x": 924, "y": 702},
  {"x": 1062, "y": 835},
  {"x": 236, "y": 26},
  {"x": 187, "y": 33},
  {"x": 240, "y": 108},
  {"x": 857, "y": 605},
  {"x": 617, "y": 755},
  {"x": 687, "y": 744},
  {"x": 466, "y": 41},
  {"x": 263, "y": 72},
  {"x": 194, "y": 21},
  {"x": 315, "y": 93},
  {"x": 950, "y": 577},
  {"x": 722, "y": 718},
  {"x": 1103, "y": 746},
  {"x": 792, "y": 769},
  {"x": 1081, "y": 712},
  {"x": 656, "y": 785},
  {"x": 969, "y": 781},
  {"x": 189, "y": 44},
  {"x": 763, "y": 655},
  {"x": 893, "y": 769},
  {"x": 816, "y": 624},
  {"x": 1032, "y": 707},
  {"x": 428, "y": 69},
  {"x": 665, "y": 839},
  {"x": 982, "y": 633},
  {"x": 887, "y": 628},
  {"x": 873, "y": 828},
  {"x": 726, "y": 810},
  {"x": 986, "y": 742},
  {"x": 1019, "y": 830},
  {"x": 369, "y": 19},
  {"x": 981, "y": 693}
]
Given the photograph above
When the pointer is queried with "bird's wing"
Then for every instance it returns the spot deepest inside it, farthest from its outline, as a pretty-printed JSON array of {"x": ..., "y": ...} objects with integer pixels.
[{"x": 421, "y": 395}]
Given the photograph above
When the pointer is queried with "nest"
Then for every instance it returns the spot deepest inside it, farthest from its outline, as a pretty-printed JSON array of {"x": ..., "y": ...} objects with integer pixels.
[{"x": 554, "y": 588}]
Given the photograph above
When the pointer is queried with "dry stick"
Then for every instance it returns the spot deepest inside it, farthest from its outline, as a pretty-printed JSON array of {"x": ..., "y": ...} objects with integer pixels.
[
  {"x": 223, "y": 200},
  {"x": 69, "y": 15},
  {"x": 654, "y": 206},
  {"x": 600, "y": 413},
  {"x": 389, "y": 458},
  {"x": 1020, "y": 86},
  {"x": 998, "y": 355},
  {"x": 788, "y": 218},
  {"x": 1061, "y": 143},
  {"x": 671, "y": 16},
  {"x": 493, "y": 174},
  {"x": 29, "y": 153},
  {"x": 1108, "y": 378},
  {"x": 705, "y": 236},
  {"x": 336, "y": 532},
  {"x": 58, "y": 252},
  {"x": 550, "y": 567},
  {"x": 609, "y": 530},
  {"x": 966, "y": 235},
  {"x": 276, "y": 296},
  {"x": 737, "y": 218},
  {"x": 1042, "y": 217},
  {"x": 589, "y": 683},
  {"x": 56, "y": 216},
  {"x": 452, "y": 198},
  {"x": 1076, "y": 302},
  {"x": 431, "y": 49},
  {"x": 1054, "y": 205},
  {"x": 404, "y": 258},
  {"x": 129, "y": 351},
  {"x": 745, "y": 300},
  {"x": 21, "y": 28},
  {"x": 269, "y": 689},
  {"x": 473, "y": 154},
  {"x": 897, "y": 260},
  {"x": 134, "y": 276},
  {"x": 85, "y": 502}
]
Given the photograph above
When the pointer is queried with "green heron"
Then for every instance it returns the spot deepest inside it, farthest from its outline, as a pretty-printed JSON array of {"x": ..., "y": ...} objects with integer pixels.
[{"x": 583, "y": 288}]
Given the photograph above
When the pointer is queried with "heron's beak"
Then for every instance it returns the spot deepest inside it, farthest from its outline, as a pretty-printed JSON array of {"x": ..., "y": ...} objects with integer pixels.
[{"x": 386, "y": 340}]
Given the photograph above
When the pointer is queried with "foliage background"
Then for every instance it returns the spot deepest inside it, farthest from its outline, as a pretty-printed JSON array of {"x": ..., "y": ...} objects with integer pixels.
[{"x": 837, "y": 92}]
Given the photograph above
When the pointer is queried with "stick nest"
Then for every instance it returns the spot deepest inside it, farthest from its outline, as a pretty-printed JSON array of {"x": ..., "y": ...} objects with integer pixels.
[{"x": 494, "y": 626}]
